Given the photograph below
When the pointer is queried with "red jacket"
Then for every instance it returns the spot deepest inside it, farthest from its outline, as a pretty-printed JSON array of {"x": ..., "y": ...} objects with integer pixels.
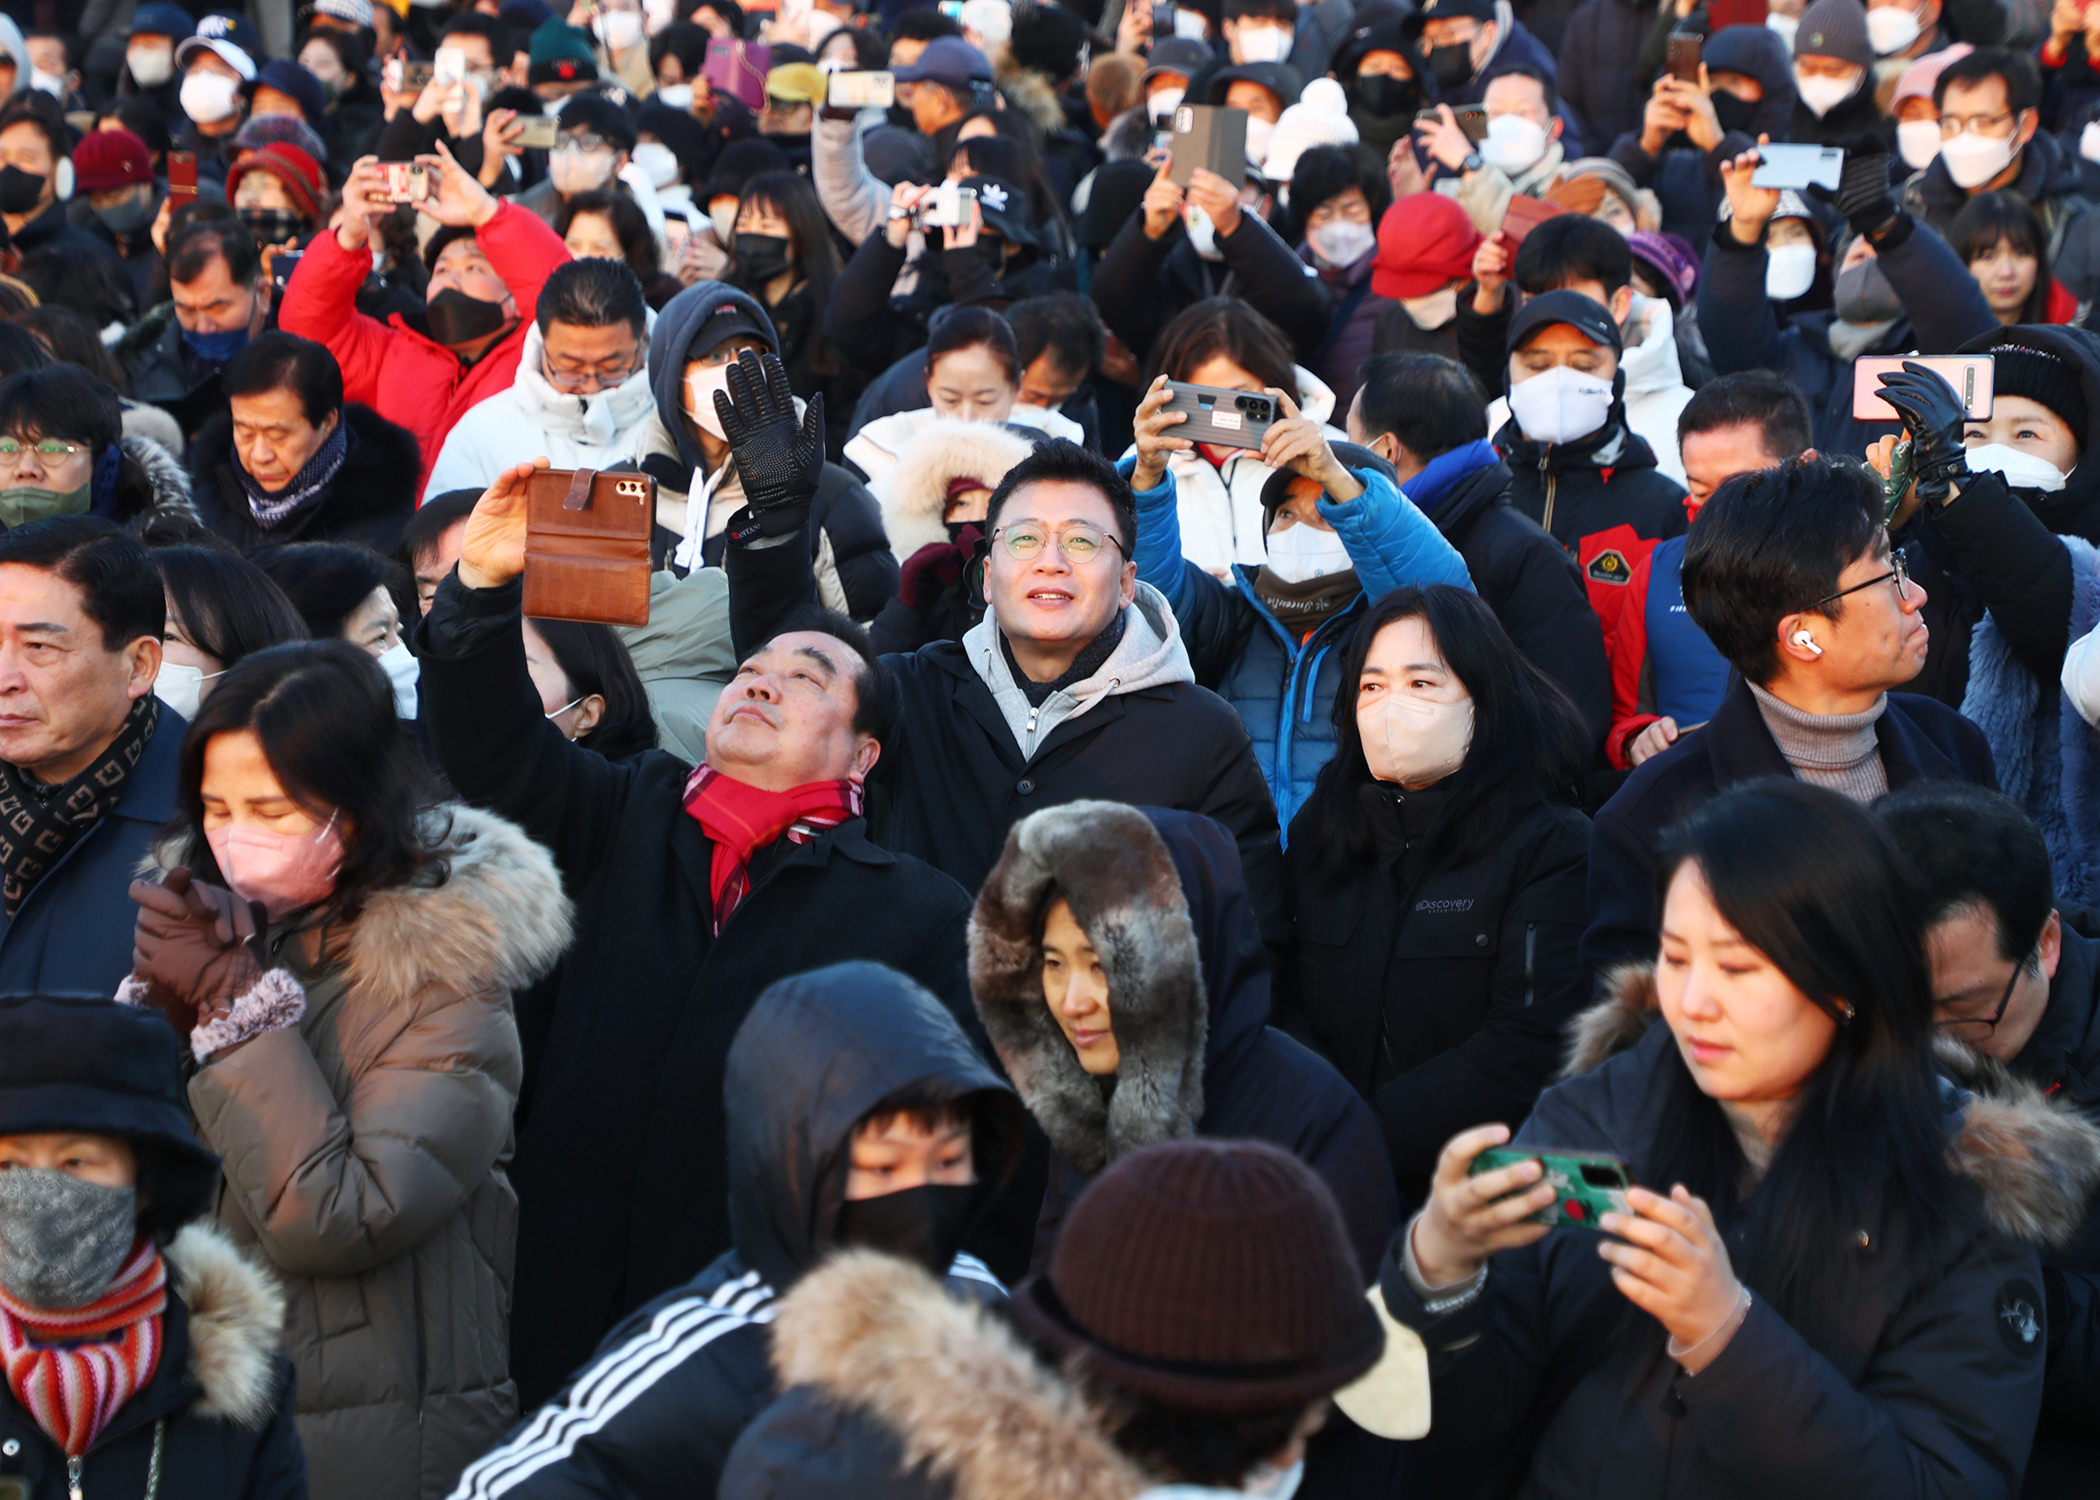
[{"x": 409, "y": 379}]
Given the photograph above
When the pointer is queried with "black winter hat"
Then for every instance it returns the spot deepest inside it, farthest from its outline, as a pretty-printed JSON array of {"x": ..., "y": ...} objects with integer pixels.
[
  {"x": 739, "y": 162},
  {"x": 1047, "y": 39},
  {"x": 2044, "y": 378},
  {"x": 1117, "y": 191},
  {"x": 1280, "y": 79}
]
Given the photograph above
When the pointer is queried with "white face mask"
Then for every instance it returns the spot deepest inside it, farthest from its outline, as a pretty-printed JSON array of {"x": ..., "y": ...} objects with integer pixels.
[
  {"x": 1513, "y": 143},
  {"x": 700, "y": 386},
  {"x": 151, "y": 66},
  {"x": 1822, "y": 95},
  {"x": 659, "y": 161},
  {"x": 402, "y": 669},
  {"x": 1433, "y": 311},
  {"x": 1163, "y": 102},
  {"x": 1259, "y": 44},
  {"x": 1203, "y": 234},
  {"x": 209, "y": 98},
  {"x": 1189, "y": 22},
  {"x": 1265, "y": 1482},
  {"x": 1789, "y": 271},
  {"x": 619, "y": 29},
  {"x": 50, "y": 83},
  {"x": 1560, "y": 405},
  {"x": 1342, "y": 243},
  {"x": 2022, "y": 470},
  {"x": 574, "y": 171},
  {"x": 1412, "y": 741},
  {"x": 1972, "y": 159},
  {"x": 1258, "y": 133},
  {"x": 1784, "y": 26},
  {"x": 182, "y": 688},
  {"x": 1919, "y": 142},
  {"x": 1891, "y": 28},
  {"x": 1300, "y": 553},
  {"x": 677, "y": 96}
]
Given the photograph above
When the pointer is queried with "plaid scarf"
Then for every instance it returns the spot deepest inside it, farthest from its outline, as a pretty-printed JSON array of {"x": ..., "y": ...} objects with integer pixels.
[
  {"x": 73, "y": 1371},
  {"x": 38, "y": 824},
  {"x": 742, "y": 819},
  {"x": 270, "y": 510}
]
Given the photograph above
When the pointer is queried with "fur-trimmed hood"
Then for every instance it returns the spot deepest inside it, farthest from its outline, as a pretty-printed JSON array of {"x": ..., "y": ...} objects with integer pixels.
[
  {"x": 167, "y": 484},
  {"x": 2036, "y": 1159},
  {"x": 1029, "y": 92},
  {"x": 955, "y": 1386},
  {"x": 915, "y": 500},
  {"x": 236, "y": 1319}
]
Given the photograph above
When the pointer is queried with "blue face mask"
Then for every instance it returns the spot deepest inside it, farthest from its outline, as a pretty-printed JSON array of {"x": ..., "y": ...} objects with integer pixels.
[{"x": 216, "y": 348}]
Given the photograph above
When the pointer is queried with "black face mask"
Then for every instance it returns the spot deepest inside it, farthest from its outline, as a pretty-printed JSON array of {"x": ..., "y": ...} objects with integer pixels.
[
  {"x": 992, "y": 252},
  {"x": 456, "y": 319},
  {"x": 1382, "y": 95},
  {"x": 1734, "y": 113},
  {"x": 19, "y": 190},
  {"x": 1453, "y": 65},
  {"x": 761, "y": 257},
  {"x": 924, "y": 1225},
  {"x": 273, "y": 226}
]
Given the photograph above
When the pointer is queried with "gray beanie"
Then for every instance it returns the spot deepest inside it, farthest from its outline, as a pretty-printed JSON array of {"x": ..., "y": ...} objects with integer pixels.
[{"x": 1835, "y": 28}]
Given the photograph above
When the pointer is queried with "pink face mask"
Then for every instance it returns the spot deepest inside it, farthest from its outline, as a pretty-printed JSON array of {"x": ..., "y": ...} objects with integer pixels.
[{"x": 284, "y": 871}]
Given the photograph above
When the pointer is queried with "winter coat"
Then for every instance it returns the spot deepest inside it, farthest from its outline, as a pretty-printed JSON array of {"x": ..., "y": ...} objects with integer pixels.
[
  {"x": 1141, "y": 284},
  {"x": 72, "y": 935},
  {"x": 2048, "y": 182},
  {"x": 364, "y": 1151},
  {"x": 1943, "y": 309},
  {"x": 682, "y": 656},
  {"x": 217, "y": 1414},
  {"x": 134, "y": 251},
  {"x": 1928, "y": 1384},
  {"x": 1353, "y": 329},
  {"x": 1518, "y": 45},
  {"x": 369, "y": 500},
  {"x": 1854, "y": 116},
  {"x": 1920, "y": 740},
  {"x": 149, "y": 479},
  {"x": 878, "y": 448},
  {"x": 1283, "y": 682},
  {"x": 872, "y": 329},
  {"x": 1655, "y": 392},
  {"x": 624, "y": 1068},
  {"x": 160, "y": 370},
  {"x": 1662, "y": 664},
  {"x": 405, "y": 377},
  {"x": 1598, "y": 78},
  {"x": 69, "y": 267},
  {"x": 1439, "y": 990},
  {"x": 914, "y": 508},
  {"x": 657, "y": 1409},
  {"x": 1485, "y": 195},
  {"x": 602, "y": 431}
]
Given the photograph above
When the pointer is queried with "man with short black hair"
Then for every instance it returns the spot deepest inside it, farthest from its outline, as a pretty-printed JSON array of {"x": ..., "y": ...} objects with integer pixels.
[
  {"x": 1991, "y": 141},
  {"x": 1789, "y": 573},
  {"x": 215, "y": 276},
  {"x": 431, "y": 541},
  {"x": 88, "y": 756},
  {"x": 1522, "y": 155}
]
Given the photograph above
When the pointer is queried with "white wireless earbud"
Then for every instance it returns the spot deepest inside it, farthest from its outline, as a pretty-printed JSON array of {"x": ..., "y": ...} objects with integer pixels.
[{"x": 1803, "y": 639}]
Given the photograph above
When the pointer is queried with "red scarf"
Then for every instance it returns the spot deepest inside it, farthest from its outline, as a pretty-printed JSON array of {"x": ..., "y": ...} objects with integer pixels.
[
  {"x": 73, "y": 1371},
  {"x": 742, "y": 819}
]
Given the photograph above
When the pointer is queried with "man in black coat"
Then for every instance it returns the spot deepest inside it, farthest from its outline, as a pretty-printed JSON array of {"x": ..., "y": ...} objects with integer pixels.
[
  {"x": 694, "y": 891},
  {"x": 1074, "y": 685},
  {"x": 1789, "y": 573},
  {"x": 1424, "y": 414},
  {"x": 2012, "y": 980}
]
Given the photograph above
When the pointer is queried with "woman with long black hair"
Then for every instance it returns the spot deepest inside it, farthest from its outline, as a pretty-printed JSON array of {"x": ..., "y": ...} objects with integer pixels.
[
  {"x": 1438, "y": 874},
  {"x": 1822, "y": 1285},
  {"x": 785, "y": 257}
]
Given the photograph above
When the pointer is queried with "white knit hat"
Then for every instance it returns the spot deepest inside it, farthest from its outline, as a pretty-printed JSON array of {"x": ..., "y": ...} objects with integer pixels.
[{"x": 1319, "y": 118}]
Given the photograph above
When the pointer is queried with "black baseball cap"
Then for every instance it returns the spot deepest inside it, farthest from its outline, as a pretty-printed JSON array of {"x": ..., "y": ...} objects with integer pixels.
[{"x": 1586, "y": 315}]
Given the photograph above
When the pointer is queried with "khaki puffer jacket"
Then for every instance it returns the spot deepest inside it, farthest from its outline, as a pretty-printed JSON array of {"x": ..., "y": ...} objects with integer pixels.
[{"x": 364, "y": 1150}]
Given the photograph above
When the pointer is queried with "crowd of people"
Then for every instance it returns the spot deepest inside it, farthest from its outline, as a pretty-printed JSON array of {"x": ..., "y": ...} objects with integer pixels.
[{"x": 1500, "y": 899}]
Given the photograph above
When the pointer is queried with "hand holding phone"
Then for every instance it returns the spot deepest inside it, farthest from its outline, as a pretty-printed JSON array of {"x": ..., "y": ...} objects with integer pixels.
[
  {"x": 1798, "y": 167},
  {"x": 182, "y": 174},
  {"x": 1469, "y": 1217},
  {"x": 1586, "y": 1185}
]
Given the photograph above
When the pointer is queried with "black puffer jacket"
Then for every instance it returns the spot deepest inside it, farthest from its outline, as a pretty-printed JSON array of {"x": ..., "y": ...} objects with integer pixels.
[
  {"x": 1600, "y": 497},
  {"x": 369, "y": 500},
  {"x": 1142, "y": 283},
  {"x": 1598, "y": 80},
  {"x": 2048, "y": 181},
  {"x": 658, "y": 1406},
  {"x": 1929, "y": 1386}
]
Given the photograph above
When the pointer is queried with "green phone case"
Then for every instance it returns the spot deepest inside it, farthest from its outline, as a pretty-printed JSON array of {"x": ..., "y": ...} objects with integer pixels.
[{"x": 1586, "y": 1184}]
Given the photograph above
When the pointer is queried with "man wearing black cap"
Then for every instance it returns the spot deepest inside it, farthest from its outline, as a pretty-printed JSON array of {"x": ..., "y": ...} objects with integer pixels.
[
  {"x": 938, "y": 89},
  {"x": 1466, "y": 46}
]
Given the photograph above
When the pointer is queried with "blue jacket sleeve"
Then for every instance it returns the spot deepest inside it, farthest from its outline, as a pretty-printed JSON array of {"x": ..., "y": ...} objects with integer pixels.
[
  {"x": 1159, "y": 560},
  {"x": 1391, "y": 542}
]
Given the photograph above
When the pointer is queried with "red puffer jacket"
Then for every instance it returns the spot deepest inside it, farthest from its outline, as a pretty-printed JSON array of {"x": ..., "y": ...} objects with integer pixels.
[{"x": 405, "y": 377}]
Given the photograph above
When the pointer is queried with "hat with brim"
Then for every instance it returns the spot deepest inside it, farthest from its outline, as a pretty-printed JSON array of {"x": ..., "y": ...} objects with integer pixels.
[
  {"x": 233, "y": 37},
  {"x": 1586, "y": 315},
  {"x": 233, "y": 56},
  {"x": 1391, "y": 1401},
  {"x": 170, "y": 21},
  {"x": 1180, "y": 55},
  {"x": 1277, "y": 487},
  {"x": 949, "y": 61},
  {"x": 1280, "y": 79},
  {"x": 1004, "y": 209},
  {"x": 795, "y": 83}
]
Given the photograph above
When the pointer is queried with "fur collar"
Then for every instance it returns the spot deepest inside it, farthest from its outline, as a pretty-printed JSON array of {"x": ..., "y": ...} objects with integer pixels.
[
  {"x": 236, "y": 1319},
  {"x": 2035, "y": 1158},
  {"x": 1029, "y": 92},
  {"x": 956, "y": 1387},
  {"x": 915, "y": 501},
  {"x": 1110, "y": 863},
  {"x": 167, "y": 483}
]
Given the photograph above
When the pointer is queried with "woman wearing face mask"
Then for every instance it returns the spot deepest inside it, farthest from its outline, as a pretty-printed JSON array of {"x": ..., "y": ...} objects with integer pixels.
[
  {"x": 339, "y": 956},
  {"x": 2000, "y": 240},
  {"x": 339, "y": 60},
  {"x": 1340, "y": 201},
  {"x": 606, "y": 223},
  {"x": 588, "y": 688},
  {"x": 221, "y": 608},
  {"x": 137, "y": 1339},
  {"x": 1439, "y": 869},
  {"x": 343, "y": 591},
  {"x": 1824, "y": 1282},
  {"x": 784, "y": 257},
  {"x": 64, "y": 452}
]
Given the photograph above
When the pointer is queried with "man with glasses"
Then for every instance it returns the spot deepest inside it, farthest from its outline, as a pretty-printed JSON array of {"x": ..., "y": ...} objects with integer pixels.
[
  {"x": 582, "y": 396},
  {"x": 2013, "y": 980},
  {"x": 1075, "y": 684},
  {"x": 1789, "y": 572},
  {"x": 1989, "y": 105}
]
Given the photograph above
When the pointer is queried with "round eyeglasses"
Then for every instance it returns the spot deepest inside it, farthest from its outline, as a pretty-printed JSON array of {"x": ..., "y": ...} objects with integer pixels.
[{"x": 1080, "y": 543}]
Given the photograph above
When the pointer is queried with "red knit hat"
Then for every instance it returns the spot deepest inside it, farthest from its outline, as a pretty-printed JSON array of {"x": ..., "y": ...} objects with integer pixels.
[
  {"x": 1425, "y": 241},
  {"x": 300, "y": 174},
  {"x": 107, "y": 159}
]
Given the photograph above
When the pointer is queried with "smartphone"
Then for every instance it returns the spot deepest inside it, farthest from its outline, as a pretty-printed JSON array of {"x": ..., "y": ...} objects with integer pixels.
[
  {"x": 1681, "y": 56},
  {"x": 948, "y": 208},
  {"x": 1525, "y": 214},
  {"x": 406, "y": 77},
  {"x": 1163, "y": 19},
  {"x": 1971, "y": 375},
  {"x": 538, "y": 132},
  {"x": 406, "y": 181},
  {"x": 861, "y": 91},
  {"x": 182, "y": 174},
  {"x": 1798, "y": 166},
  {"x": 1473, "y": 120},
  {"x": 1210, "y": 137},
  {"x": 1587, "y": 1184},
  {"x": 677, "y": 232},
  {"x": 1222, "y": 418},
  {"x": 282, "y": 264}
]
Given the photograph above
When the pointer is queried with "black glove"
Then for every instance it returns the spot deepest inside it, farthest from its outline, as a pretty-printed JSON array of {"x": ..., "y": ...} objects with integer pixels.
[
  {"x": 1933, "y": 416},
  {"x": 1862, "y": 194},
  {"x": 778, "y": 458}
]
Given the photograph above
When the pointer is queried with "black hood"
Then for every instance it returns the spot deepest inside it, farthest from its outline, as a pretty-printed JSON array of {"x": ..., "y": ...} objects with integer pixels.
[
  {"x": 816, "y": 1053},
  {"x": 2070, "y": 511},
  {"x": 1229, "y": 948},
  {"x": 676, "y": 327},
  {"x": 1757, "y": 52}
]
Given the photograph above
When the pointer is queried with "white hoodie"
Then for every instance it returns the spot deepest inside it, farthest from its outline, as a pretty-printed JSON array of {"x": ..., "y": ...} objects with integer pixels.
[{"x": 1655, "y": 388}]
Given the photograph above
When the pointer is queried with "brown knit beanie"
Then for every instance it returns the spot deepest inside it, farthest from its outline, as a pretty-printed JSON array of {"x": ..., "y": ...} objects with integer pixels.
[{"x": 1211, "y": 1276}]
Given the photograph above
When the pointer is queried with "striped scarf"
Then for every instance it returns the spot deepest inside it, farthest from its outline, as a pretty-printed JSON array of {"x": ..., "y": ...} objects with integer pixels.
[
  {"x": 271, "y": 510},
  {"x": 742, "y": 819},
  {"x": 73, "y": 1371}
]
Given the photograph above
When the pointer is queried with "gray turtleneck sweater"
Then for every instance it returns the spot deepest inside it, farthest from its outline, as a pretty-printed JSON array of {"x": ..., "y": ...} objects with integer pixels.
[{"x": 1838, "y": 751}]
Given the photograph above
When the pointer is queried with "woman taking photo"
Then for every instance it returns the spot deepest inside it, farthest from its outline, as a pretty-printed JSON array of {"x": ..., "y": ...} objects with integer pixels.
[
  {"x": 1439, "y": 877},
  {"x": 1818, "y": 1287},
  {"x": 359, "y": 1088}
]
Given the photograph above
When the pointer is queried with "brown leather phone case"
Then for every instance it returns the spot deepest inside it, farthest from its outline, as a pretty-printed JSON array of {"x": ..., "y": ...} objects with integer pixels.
[{"x": 587, "y": 546}]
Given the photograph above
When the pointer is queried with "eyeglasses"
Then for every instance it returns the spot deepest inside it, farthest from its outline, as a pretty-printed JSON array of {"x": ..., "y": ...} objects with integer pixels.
[
  {"x": 584, "y": 141},
  {"x": 1080, "y": 544},
  {"x": 1897, "y": 571},
  {"x": 1997, "y": 125},
  {"x": 49, "y": 450},
  {"x": 588, "y": 382},
  {"x": 1984, "y": 1025}
]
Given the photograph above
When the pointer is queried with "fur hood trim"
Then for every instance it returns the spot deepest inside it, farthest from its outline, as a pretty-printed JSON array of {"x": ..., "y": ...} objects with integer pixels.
[
  {"x": 957, "y": 1388},
  {"x": 915, "y": 500},
  {"x": 1031, "y": 93},
  {"x": 1110, "y": 863},
  {"x": 166, "y": 480},
  {"x": 2035, "y": 1158},
  {"x": 236, "y": 1320}
]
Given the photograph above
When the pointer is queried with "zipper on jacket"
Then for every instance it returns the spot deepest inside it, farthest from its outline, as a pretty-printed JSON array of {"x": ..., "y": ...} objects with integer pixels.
[
  {"x": 1531, "y": 950},
  {"x": 73, "y": 1467},
  {"x": 1547, "y": 482}
]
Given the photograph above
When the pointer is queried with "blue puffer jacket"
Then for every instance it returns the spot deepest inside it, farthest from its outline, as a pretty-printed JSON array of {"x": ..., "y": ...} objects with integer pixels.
[{"x": 1284, "y": 687}]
